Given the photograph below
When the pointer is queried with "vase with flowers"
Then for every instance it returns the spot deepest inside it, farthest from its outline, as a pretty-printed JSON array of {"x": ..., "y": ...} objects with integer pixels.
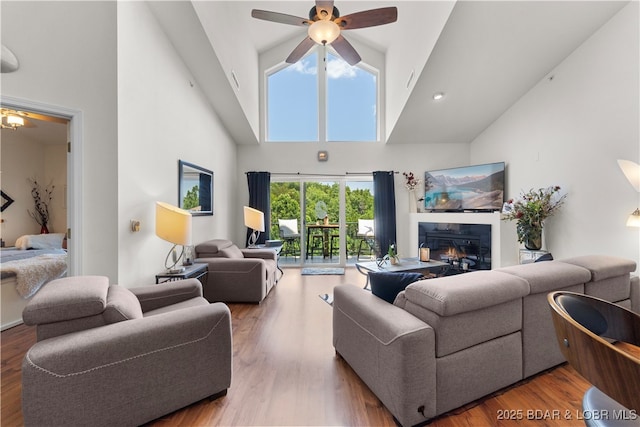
[
  {"x": 531, "y": 210},
  {"x": 42, "y": 196},
  {"x": 411, "y": 183}
]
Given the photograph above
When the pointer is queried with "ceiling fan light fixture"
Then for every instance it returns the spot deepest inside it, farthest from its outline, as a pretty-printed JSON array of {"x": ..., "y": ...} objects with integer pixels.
[
  {"x": 324, "y": 32},
  {"x": 438, "y": 96},
  {"x": 15, "y": 121}
]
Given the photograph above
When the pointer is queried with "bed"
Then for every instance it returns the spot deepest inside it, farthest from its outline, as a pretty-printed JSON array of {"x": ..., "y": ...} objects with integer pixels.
[{"x": 25, "y": 269}]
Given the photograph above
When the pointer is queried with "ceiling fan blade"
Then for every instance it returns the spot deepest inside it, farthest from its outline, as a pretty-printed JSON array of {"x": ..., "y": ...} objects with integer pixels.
[
  {"x": 29, "y": 124},
  {"x": 345, "y": 50},
  {"x": 42, "y": 117},
  {"x": 368, "y": 18},
  {"x": 281, "y": 18},
  {"x": 300, "y": 50},
  {"x": 324, "y": 9}
]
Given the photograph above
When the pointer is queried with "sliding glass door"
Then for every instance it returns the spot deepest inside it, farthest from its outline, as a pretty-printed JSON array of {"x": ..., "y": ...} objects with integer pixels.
[{"x": 318, "y": 219}]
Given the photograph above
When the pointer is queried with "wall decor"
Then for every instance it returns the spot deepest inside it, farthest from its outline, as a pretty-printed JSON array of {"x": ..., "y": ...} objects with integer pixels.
[
  {"x": 195, "y": 189},
  {"x": 6, "y": 201}
]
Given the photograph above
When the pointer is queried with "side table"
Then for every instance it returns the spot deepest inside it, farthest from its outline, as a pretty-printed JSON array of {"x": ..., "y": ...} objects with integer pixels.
[
  {"x": 526, "y": 256},
  {"x": 194, "y": 271}
]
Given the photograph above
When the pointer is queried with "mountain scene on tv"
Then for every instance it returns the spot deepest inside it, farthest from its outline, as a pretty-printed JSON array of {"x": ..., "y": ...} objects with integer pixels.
[{"x": 477, "y": 188}]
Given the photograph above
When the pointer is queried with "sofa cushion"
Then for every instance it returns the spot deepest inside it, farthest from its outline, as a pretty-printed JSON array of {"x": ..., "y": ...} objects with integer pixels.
[
  {"x": 66, "y": 299},
  {"x": 387, "y": 285},
  {"x": 451, "y": 295},
  {"x": 211, "y": 248},
  {"x": 548, "y": 276},
  {"x": 602, "y": 266},
  {"x": 122, "y": 304}
]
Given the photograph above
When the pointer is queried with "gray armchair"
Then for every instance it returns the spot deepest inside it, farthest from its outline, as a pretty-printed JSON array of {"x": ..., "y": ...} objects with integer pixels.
[
  {"x": 237, "y": 275},
  {"x": 107, "y": 355}
]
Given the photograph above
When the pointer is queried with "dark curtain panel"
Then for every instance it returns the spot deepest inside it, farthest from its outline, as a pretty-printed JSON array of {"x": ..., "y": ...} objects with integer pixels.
[
  {"x": 204, "y": 193},
  {"x": 260, "y": 198},
  {"x": 384, "y": 210}
]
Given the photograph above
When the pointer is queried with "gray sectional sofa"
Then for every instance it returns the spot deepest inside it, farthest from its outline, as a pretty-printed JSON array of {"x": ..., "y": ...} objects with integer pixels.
[{"x": 448, "y": 341}]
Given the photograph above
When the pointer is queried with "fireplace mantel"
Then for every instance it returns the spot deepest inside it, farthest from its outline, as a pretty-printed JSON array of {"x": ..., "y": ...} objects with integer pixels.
[{"x": 491, "y": 218}]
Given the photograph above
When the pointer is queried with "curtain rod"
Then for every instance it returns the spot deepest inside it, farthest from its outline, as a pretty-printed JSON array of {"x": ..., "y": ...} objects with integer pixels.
[{"x": 321, "y": 174}]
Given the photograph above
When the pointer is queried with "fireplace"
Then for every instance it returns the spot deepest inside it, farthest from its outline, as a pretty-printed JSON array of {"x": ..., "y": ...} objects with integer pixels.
[{"x": 466, "y": 247}]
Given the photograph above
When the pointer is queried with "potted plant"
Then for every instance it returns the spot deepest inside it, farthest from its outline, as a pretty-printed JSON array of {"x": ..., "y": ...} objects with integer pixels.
[
  {"x": 531, "y": 210},
  {"x": 393, "y": 257}
]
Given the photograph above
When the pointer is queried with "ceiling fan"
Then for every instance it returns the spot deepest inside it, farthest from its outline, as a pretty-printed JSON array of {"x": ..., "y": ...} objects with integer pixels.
[
  {"x": 13, "y": 119},
  {"x": 325, "y": 26}
]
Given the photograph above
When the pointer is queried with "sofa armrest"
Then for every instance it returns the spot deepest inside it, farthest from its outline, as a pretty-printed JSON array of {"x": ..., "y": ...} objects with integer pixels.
[
  {"x": 259, "y": 253},
  {"x": 130, "y": 372},
  {"x": 240, "y": 265},
  {"x": 152, "y": 297},
  {"x": 392, "y": 351}
]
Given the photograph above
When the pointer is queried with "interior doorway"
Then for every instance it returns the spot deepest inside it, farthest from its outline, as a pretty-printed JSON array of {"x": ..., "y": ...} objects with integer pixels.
[{"x": 58, "y": 125}]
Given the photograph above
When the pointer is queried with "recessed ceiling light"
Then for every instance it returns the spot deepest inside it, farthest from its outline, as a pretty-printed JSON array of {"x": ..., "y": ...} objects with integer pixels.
[{"x": 438, "y": 96}]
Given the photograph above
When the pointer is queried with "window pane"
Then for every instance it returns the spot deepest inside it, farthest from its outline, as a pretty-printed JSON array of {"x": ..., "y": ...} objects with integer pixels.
[
  {"x": 351, "y": 102},
  {"x": 293, "y": 102}
]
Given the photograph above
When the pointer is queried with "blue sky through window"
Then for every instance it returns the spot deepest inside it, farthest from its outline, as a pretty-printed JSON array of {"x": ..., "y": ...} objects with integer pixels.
[
  {"x": 351, "y": 102},
  {"x": 293, "y": 102}
]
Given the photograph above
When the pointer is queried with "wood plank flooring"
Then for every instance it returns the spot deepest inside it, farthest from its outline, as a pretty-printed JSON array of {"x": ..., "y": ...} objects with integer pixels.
[{"x": 285, "y": 372}]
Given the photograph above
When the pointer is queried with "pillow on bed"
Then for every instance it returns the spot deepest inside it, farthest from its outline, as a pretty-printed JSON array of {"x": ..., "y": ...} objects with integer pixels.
[{"x": 40, "y": 241}]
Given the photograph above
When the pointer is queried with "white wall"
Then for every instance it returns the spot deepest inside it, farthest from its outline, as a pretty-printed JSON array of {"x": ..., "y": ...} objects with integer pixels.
[
  {"x": 569, "y": 131},
  {"x": 24, "y": 159},
  {"x": 67, "y": 54},
  {"x": 162, "y": 117}
]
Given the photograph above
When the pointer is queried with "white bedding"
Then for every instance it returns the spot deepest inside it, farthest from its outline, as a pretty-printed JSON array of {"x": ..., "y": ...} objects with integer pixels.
[{"x": 32, "y": 273}]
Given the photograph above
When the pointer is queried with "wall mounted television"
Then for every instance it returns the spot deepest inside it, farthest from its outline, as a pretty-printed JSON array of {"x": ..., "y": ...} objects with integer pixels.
[{"x": 478, "y": 188}]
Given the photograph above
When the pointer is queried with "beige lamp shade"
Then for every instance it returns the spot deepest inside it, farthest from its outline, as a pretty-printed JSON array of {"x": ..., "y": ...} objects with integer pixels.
[
  {"x": 634, "y": 219},
  {"x": 632, "y": 171},
  {"x": 253, "y": 219},
  {"x": 173, "y": 224}
]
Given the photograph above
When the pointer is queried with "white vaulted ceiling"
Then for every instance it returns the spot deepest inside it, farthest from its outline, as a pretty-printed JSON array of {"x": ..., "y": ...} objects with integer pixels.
[{"x": 484, "y": 55}]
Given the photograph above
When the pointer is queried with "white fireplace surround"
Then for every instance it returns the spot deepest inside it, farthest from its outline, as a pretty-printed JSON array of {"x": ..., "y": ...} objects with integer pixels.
[{"x": 490, "y": 218}]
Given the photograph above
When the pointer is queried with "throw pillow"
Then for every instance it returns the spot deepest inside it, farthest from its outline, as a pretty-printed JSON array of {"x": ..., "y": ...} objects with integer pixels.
[{"x": 388, "y": 285}]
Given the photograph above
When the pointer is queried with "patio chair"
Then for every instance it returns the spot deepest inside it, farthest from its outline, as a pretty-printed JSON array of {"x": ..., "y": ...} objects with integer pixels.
[
  {"x": 365, "y": 235},
  {"x": 290, "y": 235}
]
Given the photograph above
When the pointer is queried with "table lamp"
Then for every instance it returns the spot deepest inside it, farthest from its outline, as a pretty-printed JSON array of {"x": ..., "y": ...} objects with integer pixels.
[
  {"x": 631, "y": 170},
  {"x": 253, "y": 219},
  {"x": 173, "y": 225}
]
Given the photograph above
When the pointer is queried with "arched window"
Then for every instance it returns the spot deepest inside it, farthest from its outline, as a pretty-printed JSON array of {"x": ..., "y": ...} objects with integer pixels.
[{"x": 311, "y": 103}]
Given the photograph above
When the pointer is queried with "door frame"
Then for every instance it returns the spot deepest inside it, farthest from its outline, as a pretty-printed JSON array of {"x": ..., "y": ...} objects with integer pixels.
[{"x": 74, "y": 171}]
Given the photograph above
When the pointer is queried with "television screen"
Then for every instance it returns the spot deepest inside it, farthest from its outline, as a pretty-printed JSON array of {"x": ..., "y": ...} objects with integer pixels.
[{"x": 476, "y": 188}]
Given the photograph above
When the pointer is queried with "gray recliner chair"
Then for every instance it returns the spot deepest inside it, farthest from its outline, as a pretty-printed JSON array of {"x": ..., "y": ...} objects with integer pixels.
[
  {"x": 237, "y": 275},
  {"x": 108, "y": 355}
]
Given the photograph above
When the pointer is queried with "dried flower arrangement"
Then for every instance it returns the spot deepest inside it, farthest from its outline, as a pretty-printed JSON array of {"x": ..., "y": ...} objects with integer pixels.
[
  {"x": 411, "y": 182},
  {"x": 42, "y": 196}
]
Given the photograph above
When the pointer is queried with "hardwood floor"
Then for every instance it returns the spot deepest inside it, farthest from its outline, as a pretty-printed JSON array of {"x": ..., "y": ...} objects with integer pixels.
[{"x": 285, "y": 372}]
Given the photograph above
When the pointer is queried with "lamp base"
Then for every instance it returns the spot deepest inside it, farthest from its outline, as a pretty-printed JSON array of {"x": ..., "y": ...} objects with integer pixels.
[
  {"x": 176, "y": 270},
  {"x": 253, "y": 239}
]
